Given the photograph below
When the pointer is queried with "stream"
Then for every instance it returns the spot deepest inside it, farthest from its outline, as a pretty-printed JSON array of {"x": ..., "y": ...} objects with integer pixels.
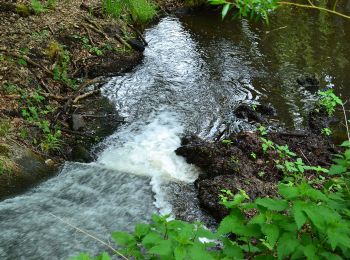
[{"x": 196, "y": 70}]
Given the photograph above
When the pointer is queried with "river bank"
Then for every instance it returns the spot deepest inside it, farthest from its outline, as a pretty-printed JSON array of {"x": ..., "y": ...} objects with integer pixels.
[{"x": 54, "y": 60}]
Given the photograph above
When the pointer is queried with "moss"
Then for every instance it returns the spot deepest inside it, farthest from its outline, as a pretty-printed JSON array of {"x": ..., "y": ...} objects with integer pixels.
[
  {"x": 22, "y": 10},
  {"x": 4, "y": 150},
  {"x": 5, "y": 127}
]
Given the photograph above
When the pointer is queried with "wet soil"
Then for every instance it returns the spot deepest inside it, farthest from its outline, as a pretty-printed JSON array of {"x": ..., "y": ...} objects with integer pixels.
[{"x": 238, "y": 162}]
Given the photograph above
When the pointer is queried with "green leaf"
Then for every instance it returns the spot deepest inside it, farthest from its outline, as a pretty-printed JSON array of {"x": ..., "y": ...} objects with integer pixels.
[
  {"x": 81, "y": 256},
  {"x": 202, "y": 232},
  {"x": 199, "y": 252},
  {"x": 288, "y": 192},
  {"x": 337, "y": 237},
  {"x": 164, "y": 248},
  {"x": 272, "y": 233},
  {"x": 298, "y": 214},
  {"x": 103, "y": 256},
  {"x": 141, "y": 230},
  {"x": 337, "y": 169},
  {"x": 234, "y": 223},
  {"x": 123, "y": 238},
  {"x": 272, "y": 204},
  {"x": 286, "y": 245},
  {"x": 180, "y": 252},
  {"x": 330, "y": 256},
  {"x": 151, "y": 239},
  {"x": 232, "y": 250},
  {"x": 310, "y": 251},
  {"x": 225, "y": 10}
]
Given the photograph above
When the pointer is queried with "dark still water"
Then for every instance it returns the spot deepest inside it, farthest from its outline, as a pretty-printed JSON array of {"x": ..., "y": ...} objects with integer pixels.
[{"x": 268, "y": 59}]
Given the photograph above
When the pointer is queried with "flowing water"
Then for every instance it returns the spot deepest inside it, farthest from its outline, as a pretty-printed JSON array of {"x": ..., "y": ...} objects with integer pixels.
[{"x": 196, "y": 70}]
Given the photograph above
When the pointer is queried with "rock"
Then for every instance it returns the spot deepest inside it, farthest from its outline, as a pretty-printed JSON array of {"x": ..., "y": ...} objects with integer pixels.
[
  {"x": 209, "y": 191},
  {"x": 81, "y": 154},
  {"x": 309, "y": 82},
  {"x": 230, "y": 165},
  {"x": 318, "y": 119},
  {"x": 266, "y": 110},
  {"x": 78, "y": 122},
  {"x": 136, "y": 45},
  {"x": 49, "y": 162},
  {"x": 246, "y": 112}
]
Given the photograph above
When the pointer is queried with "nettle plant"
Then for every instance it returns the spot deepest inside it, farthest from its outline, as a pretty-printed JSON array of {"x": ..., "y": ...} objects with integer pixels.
[
  {"x": 329, "y": 101},
  {"x": 301, "y": 222}
]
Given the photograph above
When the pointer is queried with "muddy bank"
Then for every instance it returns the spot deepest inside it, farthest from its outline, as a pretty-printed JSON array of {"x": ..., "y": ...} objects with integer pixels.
[
  {"x": 238, "y": 161},
  {"x": 52, "y": 66}
]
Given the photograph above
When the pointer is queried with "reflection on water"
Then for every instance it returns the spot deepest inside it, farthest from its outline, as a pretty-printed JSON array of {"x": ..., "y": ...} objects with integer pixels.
[{"x": 295, "y": 43}]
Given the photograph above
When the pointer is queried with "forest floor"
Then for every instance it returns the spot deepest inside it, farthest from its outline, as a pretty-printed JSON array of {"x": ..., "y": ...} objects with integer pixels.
[{"x": 53, "y": 61}]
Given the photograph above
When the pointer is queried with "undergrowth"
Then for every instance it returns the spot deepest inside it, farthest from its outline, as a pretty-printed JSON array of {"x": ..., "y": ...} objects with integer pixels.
[{"x": 141, "y": 11}]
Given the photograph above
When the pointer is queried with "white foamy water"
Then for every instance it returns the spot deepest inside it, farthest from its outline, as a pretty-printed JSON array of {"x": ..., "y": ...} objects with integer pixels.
[
  {"x": 137, "y": 173},
  {"x": 150, "y": 152}
]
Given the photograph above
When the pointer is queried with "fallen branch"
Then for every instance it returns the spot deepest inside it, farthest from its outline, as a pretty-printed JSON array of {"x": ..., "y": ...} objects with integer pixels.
[
  {"x": 90, "y": 82},
  {"x": 122, "y": 41},
  {"x": 85, "y": 95},
  {"x": 316, "y": 8},
  {"x": 89, "y": 36},
  {"x": 139, "y": 34},
  {"x": 28, "y": 60},
  {"x": 83, "y": 134},
  {"x": 53, "y": 96}
]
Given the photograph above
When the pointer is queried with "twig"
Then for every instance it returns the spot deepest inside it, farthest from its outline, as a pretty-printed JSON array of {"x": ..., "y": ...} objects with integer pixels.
[
  {"x": 90, "y": 82},
  {"x": 28, "y": 60},
  {"x": 98, "y": 31},
  {"x": 89, "y": 235},
  {"x": 77, "y": 133},
  {"x": 335, "y": 5},
  {"x": 139, "y": 34},
  {"x": 89, "y": 36},
  {"x": 304, "y": 156},
  {"x": 315, "y": 7},
  {"x": 122, "y": 41},
  {"x": 53, "y": 96},
  {"x": 85, "y": 95},
  {"x": 346, "y": 121}
]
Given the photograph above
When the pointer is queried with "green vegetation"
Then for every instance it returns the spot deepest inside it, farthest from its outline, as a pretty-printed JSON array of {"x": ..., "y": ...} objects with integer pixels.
[
  {"x": 227, "y": 142},
  {"x": 86, "y": 45},
  {"x": 329, "y": 101},
  {"x": 326, "y": 131},
  {"x": 37, "y": 6},
  {"x": 5, "y": 126},
  {"x": 309, "y": 219},
  {"x": 256, "y": 9},
  {"x": 34, "y": 113},
  {"x": 141, "y": 11},
  {"x": 58, "y": 54}
]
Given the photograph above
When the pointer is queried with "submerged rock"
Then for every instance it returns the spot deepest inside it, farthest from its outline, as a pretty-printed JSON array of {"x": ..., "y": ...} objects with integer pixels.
[
  {"x": 309, "y": 82},
  {"x": 256, "y": 113}
]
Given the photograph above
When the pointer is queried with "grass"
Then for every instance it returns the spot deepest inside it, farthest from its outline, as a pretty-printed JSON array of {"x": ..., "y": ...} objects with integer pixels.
[
  {"x": 113, "y": 8},
  {"x": 142, "y": 11},
  {"x": 5, "y": 127}
]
